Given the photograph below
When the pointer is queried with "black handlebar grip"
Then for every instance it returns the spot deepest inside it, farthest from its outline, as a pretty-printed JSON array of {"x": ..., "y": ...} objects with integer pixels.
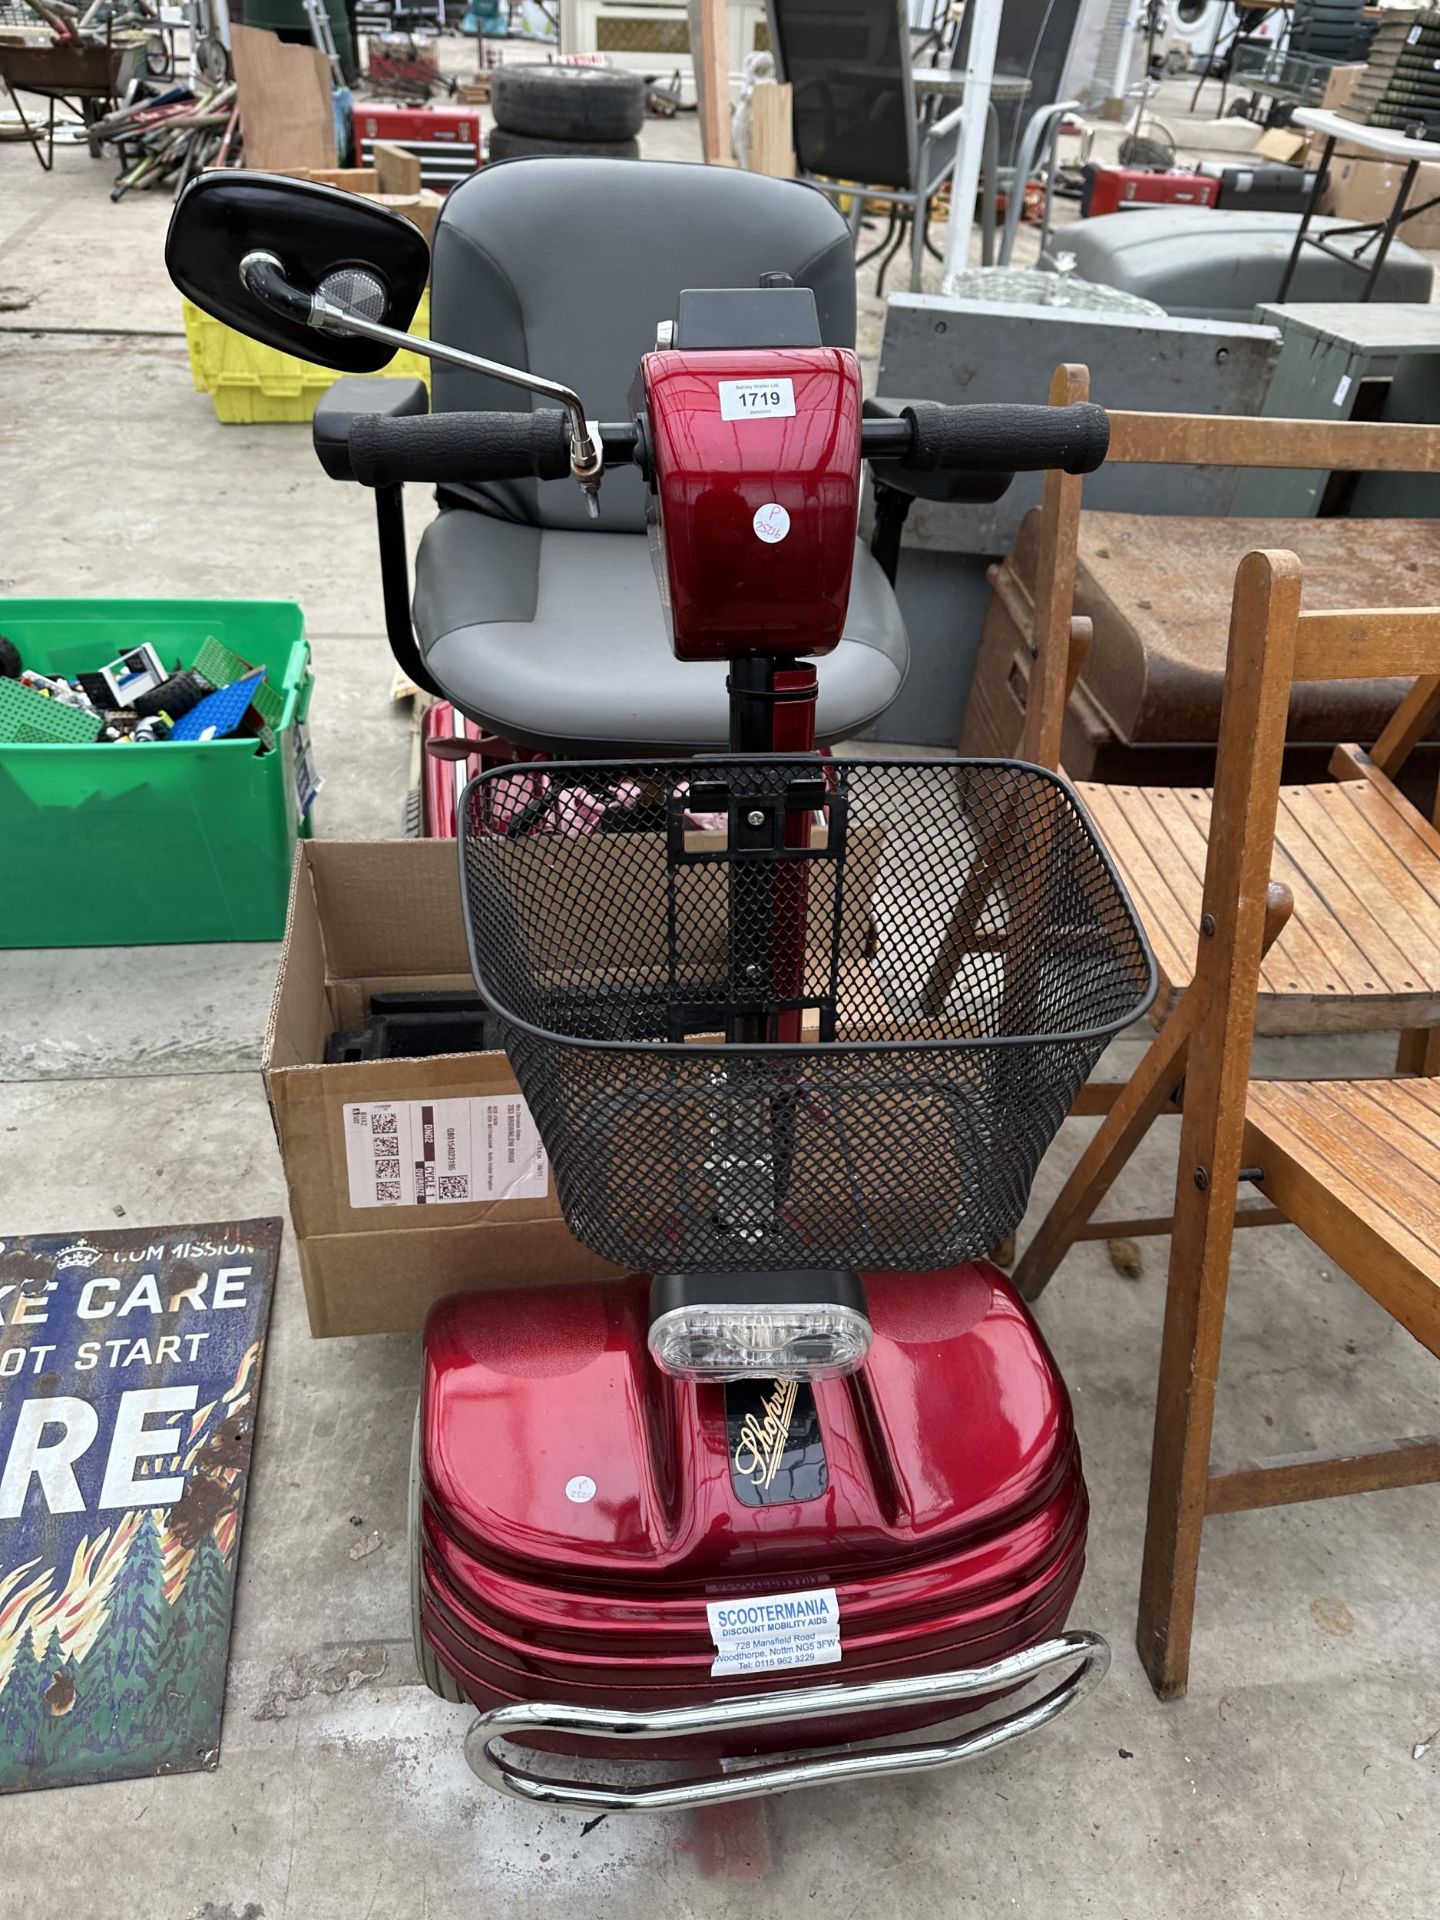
[
  {"x": 459, "y": 447},
  {"x": 1001, "y": 439}
]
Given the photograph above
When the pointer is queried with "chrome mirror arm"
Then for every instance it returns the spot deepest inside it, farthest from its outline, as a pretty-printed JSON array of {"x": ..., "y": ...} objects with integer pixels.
[{"x": 264, "y": 276}]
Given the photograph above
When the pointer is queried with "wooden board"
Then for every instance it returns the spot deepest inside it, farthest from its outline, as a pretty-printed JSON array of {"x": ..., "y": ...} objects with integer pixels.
[
  {"x": 1239, "y": 903},
  {"x": 1285, "y": 1478},
  {"x": 1356, "y": 1166},
  {"x": 285, "y": 101},
  {"x": 1230, "y": 440},
  {"x": 397, "y": 168},
  {"x": 712, "y": 82},
  {"x": 772, "y": 131}
]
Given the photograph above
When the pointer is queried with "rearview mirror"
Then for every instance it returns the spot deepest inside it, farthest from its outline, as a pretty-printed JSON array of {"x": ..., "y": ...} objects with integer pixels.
[{"x": 315, "y": 241}]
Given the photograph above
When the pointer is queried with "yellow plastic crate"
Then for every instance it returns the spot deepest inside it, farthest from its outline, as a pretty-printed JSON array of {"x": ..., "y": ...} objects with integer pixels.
[{"x": 251, "y": 384}]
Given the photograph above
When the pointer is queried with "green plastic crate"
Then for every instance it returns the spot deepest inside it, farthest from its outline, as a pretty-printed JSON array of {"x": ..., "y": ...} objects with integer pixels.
[{"x": 114, "y": 845}]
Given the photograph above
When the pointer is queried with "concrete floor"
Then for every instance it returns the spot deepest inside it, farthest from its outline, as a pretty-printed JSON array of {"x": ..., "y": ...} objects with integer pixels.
[{"x": 1294, "y": 1781}]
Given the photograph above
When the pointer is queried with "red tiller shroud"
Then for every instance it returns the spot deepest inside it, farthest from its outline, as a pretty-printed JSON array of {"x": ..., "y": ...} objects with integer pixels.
[
  {"x": 754, "y": 515},
  {"x": 952, "y": 1525}
]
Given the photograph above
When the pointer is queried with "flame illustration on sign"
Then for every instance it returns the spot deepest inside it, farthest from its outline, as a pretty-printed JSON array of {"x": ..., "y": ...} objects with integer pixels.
[{"x": 54, "y": 1630}]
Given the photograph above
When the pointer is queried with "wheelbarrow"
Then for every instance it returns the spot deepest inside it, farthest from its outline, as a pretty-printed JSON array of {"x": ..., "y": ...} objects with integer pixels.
[{"x": 93, "y": 76}]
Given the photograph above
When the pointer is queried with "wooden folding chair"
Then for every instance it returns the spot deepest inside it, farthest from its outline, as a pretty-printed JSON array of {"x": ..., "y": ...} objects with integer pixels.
[
  {"x": 1361, "y": 864},
  {"x": 1354, "y": 1164}
]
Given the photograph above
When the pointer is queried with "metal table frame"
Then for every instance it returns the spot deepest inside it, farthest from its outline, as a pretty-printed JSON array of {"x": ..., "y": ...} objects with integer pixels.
[
  {"x": 1386, "y": 145},
  {"x": 1042, "y": 131}
]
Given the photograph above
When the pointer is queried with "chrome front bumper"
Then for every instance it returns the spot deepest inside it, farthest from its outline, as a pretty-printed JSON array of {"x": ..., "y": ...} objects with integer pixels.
[{"x": 491, "y": 1730}]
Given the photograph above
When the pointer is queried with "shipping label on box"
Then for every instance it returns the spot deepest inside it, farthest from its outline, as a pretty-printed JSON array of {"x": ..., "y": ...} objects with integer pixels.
[{"x": 417, "y": 1153}]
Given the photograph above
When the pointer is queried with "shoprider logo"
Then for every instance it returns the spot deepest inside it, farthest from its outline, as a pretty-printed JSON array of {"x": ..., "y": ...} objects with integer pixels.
[{"x": 760, "y": 1444}]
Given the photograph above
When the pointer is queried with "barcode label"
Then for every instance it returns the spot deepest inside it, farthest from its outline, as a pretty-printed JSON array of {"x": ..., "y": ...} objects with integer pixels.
[
  {"x": 423, "y": 1153},
  {"x": 757, "y": 399}
]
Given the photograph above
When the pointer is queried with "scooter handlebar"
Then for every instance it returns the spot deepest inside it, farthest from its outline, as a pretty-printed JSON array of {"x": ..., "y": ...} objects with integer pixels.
[
  {"x": 925, "y": 438},
  {"x": 997, "y": 439},
  {"x": 459, "y": 447}
]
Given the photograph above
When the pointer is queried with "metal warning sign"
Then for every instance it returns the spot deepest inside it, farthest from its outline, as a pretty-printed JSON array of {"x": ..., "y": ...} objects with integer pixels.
[{"x": 129, "y": 1379}]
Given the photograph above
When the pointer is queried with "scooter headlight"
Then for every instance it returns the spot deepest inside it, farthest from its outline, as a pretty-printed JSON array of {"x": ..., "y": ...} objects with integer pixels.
[{"x": 808, "y": 1326}]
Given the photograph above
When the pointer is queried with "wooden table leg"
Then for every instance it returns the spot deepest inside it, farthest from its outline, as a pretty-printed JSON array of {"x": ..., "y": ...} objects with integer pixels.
[{"x": 1142, "y": 1099}]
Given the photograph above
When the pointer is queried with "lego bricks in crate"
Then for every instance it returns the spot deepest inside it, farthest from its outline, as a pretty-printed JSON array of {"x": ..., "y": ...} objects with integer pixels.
[{"x": 155, "y": 753}]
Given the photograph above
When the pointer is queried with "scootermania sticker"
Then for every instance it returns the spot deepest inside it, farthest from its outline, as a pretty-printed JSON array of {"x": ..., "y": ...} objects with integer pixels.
[
  {"x": 129, "y": 1379},
  {"x": 767, "y": 1633}
]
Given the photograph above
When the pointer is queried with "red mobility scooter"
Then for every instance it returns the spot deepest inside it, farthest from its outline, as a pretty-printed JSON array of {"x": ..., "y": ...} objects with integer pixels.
[{"x": 797, "y": 1496}]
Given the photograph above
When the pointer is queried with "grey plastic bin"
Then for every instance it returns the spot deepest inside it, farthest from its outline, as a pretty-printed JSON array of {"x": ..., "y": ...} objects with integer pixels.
[{"x": 1208, "y": 264}]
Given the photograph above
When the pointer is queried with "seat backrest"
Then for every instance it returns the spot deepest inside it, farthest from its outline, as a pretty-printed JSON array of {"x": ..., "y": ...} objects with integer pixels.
[
  {"x": 566, "y": 267},
  {"x": 849, "y": 64},
  {"x": 1182, "y": 439}
]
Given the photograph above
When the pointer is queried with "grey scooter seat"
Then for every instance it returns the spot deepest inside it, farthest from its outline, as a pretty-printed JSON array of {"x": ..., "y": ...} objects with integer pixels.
[
  {"x": 537, "y": 622},
  {"x": 552, "y": 635},
  {"x": 1216, "y": 264}
]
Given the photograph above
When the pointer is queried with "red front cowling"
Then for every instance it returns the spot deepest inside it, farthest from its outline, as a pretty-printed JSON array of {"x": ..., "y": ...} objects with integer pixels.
[
  {"x": 757, "y": 475},
  {"x": 580, "y": 1508}
]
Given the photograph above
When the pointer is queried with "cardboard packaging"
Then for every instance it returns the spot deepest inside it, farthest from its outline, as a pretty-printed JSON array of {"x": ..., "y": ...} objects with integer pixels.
[
  {"x": 365, "y": 917},
  {"x": 1283, "y": 145},
  {"x": 376, "y": 916},
  {"x": 1363, "y": 187},
  {"x": 1340, "y": 83}
]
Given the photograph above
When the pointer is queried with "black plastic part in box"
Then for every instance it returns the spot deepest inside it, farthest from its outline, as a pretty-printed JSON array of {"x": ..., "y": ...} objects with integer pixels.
[{"x": 418, "y": 1026}]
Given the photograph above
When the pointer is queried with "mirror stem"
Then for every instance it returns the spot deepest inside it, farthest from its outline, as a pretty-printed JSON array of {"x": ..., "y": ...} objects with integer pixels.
[
  {"x": 585, "y": 457},
  {"x": 264, "y": 278}
]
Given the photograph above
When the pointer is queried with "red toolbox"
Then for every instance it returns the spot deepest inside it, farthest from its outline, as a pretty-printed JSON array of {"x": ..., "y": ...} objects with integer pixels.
[
  {"x": 445, "y": 140},
  {"x": 1112, "y": 189}
]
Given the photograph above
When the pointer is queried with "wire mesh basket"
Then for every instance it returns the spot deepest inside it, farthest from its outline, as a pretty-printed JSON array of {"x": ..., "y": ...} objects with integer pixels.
[{"x": 743, "y": 1052}]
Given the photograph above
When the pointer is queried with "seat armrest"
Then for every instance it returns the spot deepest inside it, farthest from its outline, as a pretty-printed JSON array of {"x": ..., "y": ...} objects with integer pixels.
[
  {"x": 942, "y": 129},
  {"x": 341, "y": 403}
]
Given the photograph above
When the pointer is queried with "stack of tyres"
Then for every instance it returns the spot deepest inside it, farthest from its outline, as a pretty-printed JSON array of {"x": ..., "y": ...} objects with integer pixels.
[
  {"x": 574, "y": 1510},
  {"x": 597, "y": 111},
  {"x": 1329, "y": 29}
]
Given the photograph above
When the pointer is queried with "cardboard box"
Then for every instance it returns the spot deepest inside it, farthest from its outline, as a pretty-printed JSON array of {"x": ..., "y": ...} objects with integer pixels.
[
  {"x": 1363, "y": 186},
  {"x": 1340, "y": 83},
  {"x": 365, "y": 917},
  {"x": 1283, "y": 145},
  {"x": 371, "y": 916}
]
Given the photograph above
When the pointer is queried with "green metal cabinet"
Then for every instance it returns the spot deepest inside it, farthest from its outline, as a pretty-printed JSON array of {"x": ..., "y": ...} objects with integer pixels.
[{"x": 1350, "y": 362}]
